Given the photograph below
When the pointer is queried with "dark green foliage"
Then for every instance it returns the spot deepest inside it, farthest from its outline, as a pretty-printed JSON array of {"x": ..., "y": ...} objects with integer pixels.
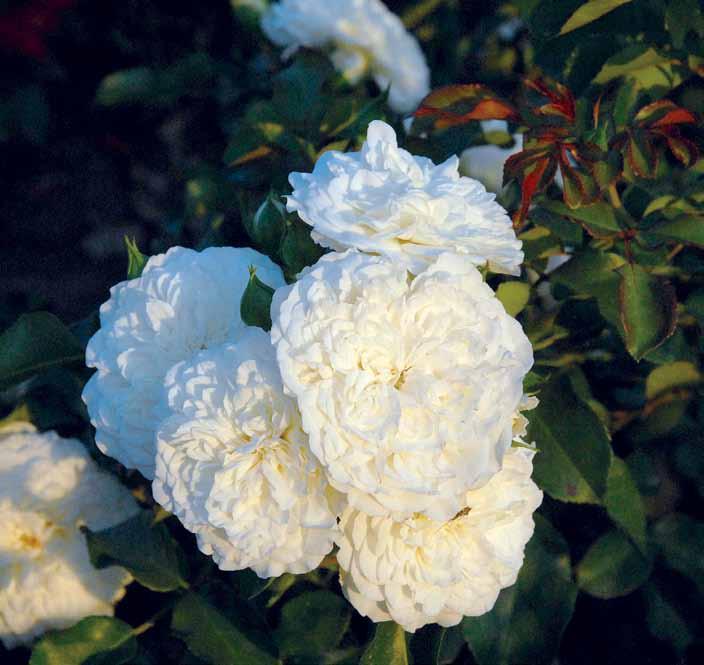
[
  {"x": 142, "y": 546},
  {"x": 92, "y": 641},
  {"x": 182, "y": 125}
]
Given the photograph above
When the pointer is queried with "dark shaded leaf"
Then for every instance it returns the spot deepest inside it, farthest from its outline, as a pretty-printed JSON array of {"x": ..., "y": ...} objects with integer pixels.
[
  {"x": 680, "y": 541},
  {"x": 574, "y": 453},
  {"x": 144, "y": 548},
  {"x": 623, "y": 503},
  {"x": 92, "y": 641},
  {"x": 598, "y": 218},
  {"x": 211, "y": 637},
  {"x": 612, "y": 567},
  {"x": 666, "y": 620},
  {"x": 35, "y": 343},
  {"x": 641, "y": 155},
  {"x": 527, "y": 622},
  {"x": 648, "y": 309},
  {"x": 298, "y": 249},
  {"x": 685, "y": 228},
  {"x": 312, "y": 624},
  {"x": 255, "y": 307}
]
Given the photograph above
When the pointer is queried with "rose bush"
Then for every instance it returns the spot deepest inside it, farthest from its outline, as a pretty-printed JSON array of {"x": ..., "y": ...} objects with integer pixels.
[{"x": 411, "y": 374}]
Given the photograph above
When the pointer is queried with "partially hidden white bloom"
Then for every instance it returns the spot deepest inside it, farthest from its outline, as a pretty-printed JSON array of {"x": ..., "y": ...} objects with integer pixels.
[
  {"x": 421, "y": 571},
  {"x": 407, "y": 387},
  {"x": 49, "y": 487},
  {"x": 234, "y": 466},
  {"x": 384, "y": 200},
  {"x": 183, "y": 302},
  {"x": 486, "y": 162},
  {"x": 364, "y": 35}
]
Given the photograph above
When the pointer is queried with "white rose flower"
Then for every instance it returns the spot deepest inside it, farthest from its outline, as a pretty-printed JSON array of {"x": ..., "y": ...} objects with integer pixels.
[
  {"x": 420, "y": 571},
  {"x": 407, "y": 388},
  {"x": 233, "y": 462},
  {"x": 184, "y": 301},
  {"x": 49, "y": 487},
  {"x": 364, "y": 35},
  {"x": 383, "y": 200}
]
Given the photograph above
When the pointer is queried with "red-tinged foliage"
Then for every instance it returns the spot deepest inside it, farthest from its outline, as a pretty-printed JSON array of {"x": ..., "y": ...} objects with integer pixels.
[
  {"x": 24, "y": 29},
  {"x": 656, "y": 125},
  {"x": 459, "y": 104},
  {"x": 561, "y": 103},
  {"x": 664, "y": 113},
  {"x": 535, "y": 168}
]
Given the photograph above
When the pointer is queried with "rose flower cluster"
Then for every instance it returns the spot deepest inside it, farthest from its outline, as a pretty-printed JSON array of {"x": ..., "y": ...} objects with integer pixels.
[{"x": 381, "y": 415}]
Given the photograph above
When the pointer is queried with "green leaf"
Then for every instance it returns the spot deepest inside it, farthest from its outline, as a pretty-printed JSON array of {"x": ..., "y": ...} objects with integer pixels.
[
  {"x": 388, "y": 647},
  {"x": 599, "y": 217},
  {"x": 612, "y": 567},
  {"x": 298, "y": 249},
  {"x": 126, "y": 86},
  {"x": 527, "y": 622},
  {"x": 688, "y": 229},
  {"x": 297, "y": 92},
  {"x": 144, "y": 548},
  {"x": 680, "y": 541},
  {"x": 641, "y": 155},
  {"x": 373, "y": 110},
  {"x": 624, "y": 504},
  {"x": 35, "y": 343},
  {"x": 681, "y": 17},
  {"x": 672, "y": 375},
  {"x": 190, "y": 75},
  {"x": 560, "y": 226},
  {"x": 135, "y": 259},
  {"x": 590, "y": 11},
  {"x": 593, "y": 273},
  {"x": 648, "y": 309},
  {"x": 575, "y": 454},
  {"x": 212, "y": 637},
  {"x": 647, "y": 68},
  {"x": 514, "y": 296},
  {"x": 255, "y": 307},
  {"x": 247, "y": 143},
  {"x": 92, "y": 641},
  {"x": 312, "y": 624},
  {"x": 446, "y": 645}
]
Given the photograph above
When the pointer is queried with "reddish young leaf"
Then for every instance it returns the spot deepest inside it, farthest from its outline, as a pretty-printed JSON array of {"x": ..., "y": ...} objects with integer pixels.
[
  {"x": 683, "y": 149},
  {"x": 535, "y": 180},
  {"x": 516, "y": 165},
  {"x": 663, "y": 113},
  {"x": 562, "y": 101},
  {"x": 459, "y": 104}
]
